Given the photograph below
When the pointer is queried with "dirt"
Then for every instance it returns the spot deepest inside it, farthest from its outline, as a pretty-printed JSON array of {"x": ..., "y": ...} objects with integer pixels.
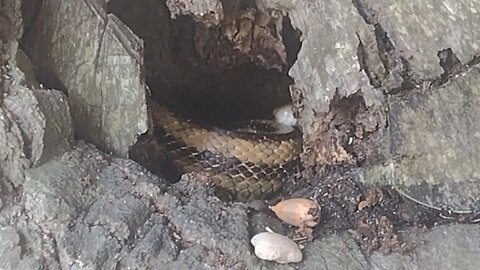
[{"x": 373, "y": 215}]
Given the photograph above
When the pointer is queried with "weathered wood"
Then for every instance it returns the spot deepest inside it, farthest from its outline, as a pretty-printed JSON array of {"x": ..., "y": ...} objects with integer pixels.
[
  {"x": 98, "y": 60},
  {"x": 434, "y": 144}
]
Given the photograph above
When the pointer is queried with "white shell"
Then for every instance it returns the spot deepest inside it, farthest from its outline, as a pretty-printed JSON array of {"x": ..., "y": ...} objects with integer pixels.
[
  {"x": 272, "y": 246},
  {"x": 284, "y": 115}
]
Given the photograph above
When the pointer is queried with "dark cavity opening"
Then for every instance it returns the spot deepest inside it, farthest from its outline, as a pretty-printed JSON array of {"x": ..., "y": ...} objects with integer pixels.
[{"x": 220, "y": 72}]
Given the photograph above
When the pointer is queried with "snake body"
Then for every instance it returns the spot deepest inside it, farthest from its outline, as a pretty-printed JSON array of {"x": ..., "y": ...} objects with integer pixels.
[{"x": 250, "y": 160}]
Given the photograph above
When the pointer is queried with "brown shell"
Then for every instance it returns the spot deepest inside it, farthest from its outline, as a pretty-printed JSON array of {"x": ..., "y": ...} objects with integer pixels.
[{"x": 300, "y": 212}]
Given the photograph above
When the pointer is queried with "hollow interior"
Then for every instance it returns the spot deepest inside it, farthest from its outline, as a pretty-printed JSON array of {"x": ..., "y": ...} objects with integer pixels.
[
  {"x": 221, "y": 71},
  {"x": 201, "y": 67},
  {"x": 196, "y": 66}
]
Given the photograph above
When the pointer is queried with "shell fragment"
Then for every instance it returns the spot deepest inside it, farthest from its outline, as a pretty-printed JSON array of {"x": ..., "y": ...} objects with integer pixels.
[{"x": 272, "y": 246}]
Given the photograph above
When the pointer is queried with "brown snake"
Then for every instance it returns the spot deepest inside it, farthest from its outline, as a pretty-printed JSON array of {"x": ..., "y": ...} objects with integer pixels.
[{"x": 251, "y": 161}]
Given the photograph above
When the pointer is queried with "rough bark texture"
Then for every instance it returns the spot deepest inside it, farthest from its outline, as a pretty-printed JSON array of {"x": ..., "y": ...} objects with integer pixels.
[
  {"x": 92, "y": 56},
  {"x": 387, "y": 47},
  {"x": 374, "y": 87},
  {"x": 434, "y": 143}
]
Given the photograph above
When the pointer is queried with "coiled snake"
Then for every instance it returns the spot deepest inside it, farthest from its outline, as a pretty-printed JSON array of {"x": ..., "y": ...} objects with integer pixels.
[{"x": 251, "y": 160}]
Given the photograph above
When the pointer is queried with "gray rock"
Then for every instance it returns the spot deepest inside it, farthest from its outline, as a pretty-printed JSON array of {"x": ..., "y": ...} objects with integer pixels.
[
  {"x": 9, "y": 249},
  {"x": 13, "y": 158},
  {"x": 329, "y": 66},
  {"x": 35, "y": 124},
  {"x": 23, "y": 71},
  {"x": 45, "y": 184},
  {"x": 328, "y": 58},
  {"x": 334, "y": 252},
  {"x": 419, "y": 30},
  {"x": 58, "y": 128},
  {"x": 209, "y": 10},
  {"x": 102, "y": 216},
  {"x": 444, "y": 247},
  {"x": 23, "y": 107},
  {"x": 435, "y": 149},
  {"x": 12, "y": 252},
  {"x": 99, "y": 62},
  {"x": 366, "y": 44},
  {"x": 43, "y": 118},
  {"x": 87, "y": 204}
]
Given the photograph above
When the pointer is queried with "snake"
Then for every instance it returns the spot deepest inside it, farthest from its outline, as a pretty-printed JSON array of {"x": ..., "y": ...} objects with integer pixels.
[{"x": 249, "y": 160}]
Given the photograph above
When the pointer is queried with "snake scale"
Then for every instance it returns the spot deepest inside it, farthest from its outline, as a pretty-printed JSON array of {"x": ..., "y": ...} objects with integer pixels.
[{"x": 250, "y": 160}]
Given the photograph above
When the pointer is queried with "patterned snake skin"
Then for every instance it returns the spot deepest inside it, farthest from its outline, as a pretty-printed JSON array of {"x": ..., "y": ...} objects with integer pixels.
[{"x": 251, "y": 160}]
